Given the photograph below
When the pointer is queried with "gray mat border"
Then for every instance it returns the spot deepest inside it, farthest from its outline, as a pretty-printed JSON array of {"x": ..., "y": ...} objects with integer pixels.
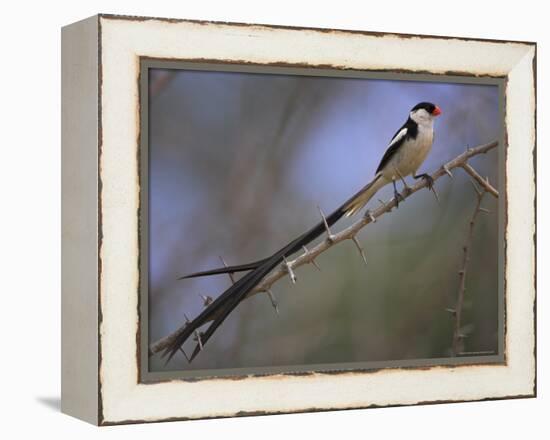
[{"x": 146, "y": 376}]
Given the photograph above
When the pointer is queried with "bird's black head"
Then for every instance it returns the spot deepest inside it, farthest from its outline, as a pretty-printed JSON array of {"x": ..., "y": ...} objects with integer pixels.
[{"x": 430, "y": 108}]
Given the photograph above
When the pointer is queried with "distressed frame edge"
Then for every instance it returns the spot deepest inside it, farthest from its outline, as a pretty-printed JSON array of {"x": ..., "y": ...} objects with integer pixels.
[
  {"x": 531, "y": 55},
  {"x": 535, "y": 201},
  {"x": 128, "y": 17},
  {"x": 80, "y": 220},
  {"x": 244, "y": 413}
]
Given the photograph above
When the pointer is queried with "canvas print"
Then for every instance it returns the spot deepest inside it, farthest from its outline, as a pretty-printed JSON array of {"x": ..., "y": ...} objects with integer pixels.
[{"x": 311, "y": 222}]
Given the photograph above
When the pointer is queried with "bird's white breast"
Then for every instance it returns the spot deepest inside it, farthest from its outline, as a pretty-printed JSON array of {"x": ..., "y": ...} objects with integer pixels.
[
  {"x": 414, "y": 156},
  {"x": 411, "y": 154}
]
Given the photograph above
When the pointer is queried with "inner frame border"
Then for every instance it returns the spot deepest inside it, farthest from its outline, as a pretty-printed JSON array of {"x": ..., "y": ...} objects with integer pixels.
[{"x": 145, "y": 376}]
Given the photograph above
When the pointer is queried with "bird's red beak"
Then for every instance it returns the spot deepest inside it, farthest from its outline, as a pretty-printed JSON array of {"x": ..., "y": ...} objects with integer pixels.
[{"x": 437, "y": 111}]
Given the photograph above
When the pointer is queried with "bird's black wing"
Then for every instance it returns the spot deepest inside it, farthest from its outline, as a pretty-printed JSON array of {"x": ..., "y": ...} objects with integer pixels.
[{"x": 407, "y": 130}]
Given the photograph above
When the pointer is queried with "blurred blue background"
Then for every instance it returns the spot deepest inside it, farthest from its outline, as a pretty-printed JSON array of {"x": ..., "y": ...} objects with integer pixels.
[{"x": 239, "y": 163}]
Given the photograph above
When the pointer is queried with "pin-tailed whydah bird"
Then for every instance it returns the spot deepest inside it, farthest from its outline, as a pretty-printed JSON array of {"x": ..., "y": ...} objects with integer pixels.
[{"x": 406, "y": 152}]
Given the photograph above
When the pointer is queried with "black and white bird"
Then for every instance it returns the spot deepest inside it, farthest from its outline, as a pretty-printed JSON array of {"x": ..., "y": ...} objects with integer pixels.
[{"x": 406, "y": 152}]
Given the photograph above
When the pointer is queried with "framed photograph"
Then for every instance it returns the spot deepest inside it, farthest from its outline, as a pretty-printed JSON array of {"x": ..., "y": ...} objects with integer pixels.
[{"x": 262, "y": 220}]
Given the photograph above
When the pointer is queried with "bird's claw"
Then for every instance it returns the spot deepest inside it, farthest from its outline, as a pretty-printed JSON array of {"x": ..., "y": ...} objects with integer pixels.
[
  {"x": 429, "y": 181},
  {"x": 397, "y": 198}
]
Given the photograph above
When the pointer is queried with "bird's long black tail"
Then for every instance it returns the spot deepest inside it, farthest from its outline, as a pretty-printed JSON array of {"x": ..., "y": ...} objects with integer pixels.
[
  {"x": 226, "y": 269},
  {"x": 222, "y": 306}
]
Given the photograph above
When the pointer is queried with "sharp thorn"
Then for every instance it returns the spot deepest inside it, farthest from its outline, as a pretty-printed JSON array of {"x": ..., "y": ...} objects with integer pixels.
[
  {"x": 223, "y": 261},
  {"x": 435, "y": 194},
  {"x": 289, "y": 270},
  {"x": 360, "y": 249},
  {"x": 446, "y": 169},
  {"x": 231, "y": 276},
  {"x": 273, "y": 301},
  {"x": 206, "y": 300},
  {"x": 315, "y": 265},
  {"x": 330, "y": 237},
  {"x": 306, "y": 253},
  {"x": 486, "y": 211}
]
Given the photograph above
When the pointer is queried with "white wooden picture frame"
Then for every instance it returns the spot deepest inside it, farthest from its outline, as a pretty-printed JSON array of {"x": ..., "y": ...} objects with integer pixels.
[{"x": 101, "y": 380}]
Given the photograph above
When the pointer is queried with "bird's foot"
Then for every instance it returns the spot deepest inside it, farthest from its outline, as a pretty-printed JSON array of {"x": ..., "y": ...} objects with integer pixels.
[
  {"x": 429, "y": 180},
  {"x": 398, "y": 197}
]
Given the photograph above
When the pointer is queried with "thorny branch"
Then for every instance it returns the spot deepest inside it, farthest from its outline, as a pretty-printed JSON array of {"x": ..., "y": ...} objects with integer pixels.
[
  {"x": 308, "y": 257},
  {"x": 458, "y": 333}
]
